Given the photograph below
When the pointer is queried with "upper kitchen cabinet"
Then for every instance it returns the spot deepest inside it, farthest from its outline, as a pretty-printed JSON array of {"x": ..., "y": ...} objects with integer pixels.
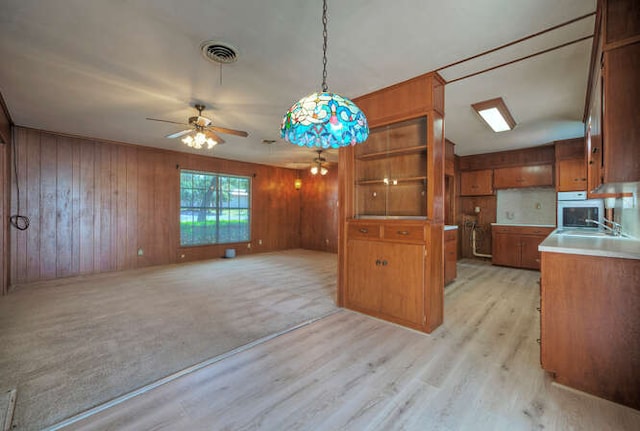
[
  {"x": 612, "y": 125},
  {"x": 571, "y": 166},
  {"x": 523, "y": 176},
  {"x": 481, "y": 174},
  {"x": 476, "y": 183}
]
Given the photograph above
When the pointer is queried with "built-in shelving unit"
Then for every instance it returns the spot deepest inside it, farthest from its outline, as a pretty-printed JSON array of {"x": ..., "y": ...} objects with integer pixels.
[{"x": 392, "y": 207}]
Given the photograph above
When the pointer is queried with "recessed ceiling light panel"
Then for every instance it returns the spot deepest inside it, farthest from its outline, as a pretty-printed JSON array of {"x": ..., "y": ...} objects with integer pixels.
[{"x": 496, "y": 114}]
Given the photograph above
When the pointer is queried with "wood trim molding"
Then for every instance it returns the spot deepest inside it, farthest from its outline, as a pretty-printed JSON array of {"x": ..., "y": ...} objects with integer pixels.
[
  {"x": 522, "y": 39},
  {"x": 5, "y": 122}
]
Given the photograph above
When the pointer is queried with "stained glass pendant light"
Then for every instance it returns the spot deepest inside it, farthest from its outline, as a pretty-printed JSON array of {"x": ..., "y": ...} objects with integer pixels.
[{"x": 324, "y": 119}]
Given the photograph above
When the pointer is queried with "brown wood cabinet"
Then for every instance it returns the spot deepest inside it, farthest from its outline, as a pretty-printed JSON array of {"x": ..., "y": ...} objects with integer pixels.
[
  {"x": 517, "y": 246},
  {"x": 386, "y": 280},
  {"x": 590, "y": 324},
  {"x": 571, "y": 175},
  {"x": 476, "y": 183},
  {"x": 613, "y": 129},
  {"x": 449, "y": 158},
  {"x": 391, "y": 187},
  {"x": 571, "y": 166},
  {"x": 523, "y": 176},
  {"x": 450, "y": 255}
]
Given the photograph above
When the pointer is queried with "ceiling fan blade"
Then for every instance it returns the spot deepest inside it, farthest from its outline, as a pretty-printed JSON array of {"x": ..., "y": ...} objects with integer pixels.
[
  {"x": 167, "y": 121},
  {"x": 178, "y": 134},
  {"x": 215, "y": 136},
  {"x": 228, "y": 131}
]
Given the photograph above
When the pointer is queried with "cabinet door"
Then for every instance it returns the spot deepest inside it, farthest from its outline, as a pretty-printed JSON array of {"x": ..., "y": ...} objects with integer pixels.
[
  {"x": 476, "y": 183},
  {"x": 363, "y": 275},
  {"x": 572, "y": 175},
  {"x": 506, "y": 249},
  {"x": 450, "y": 260},
  {"x": 523, "y": 176},
  {"x": 529, "y": 254},
  {"x": 621, "y": 145},
  {"x": 402, "y": 279}
]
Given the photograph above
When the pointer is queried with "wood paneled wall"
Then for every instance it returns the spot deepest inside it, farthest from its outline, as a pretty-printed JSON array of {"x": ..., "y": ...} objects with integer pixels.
[
  {"x": 93, "y": 204},
  {"x": 5, "y": 153},
  {"x": 4, "y": 213},
  {"x": 319, "y": 210}
]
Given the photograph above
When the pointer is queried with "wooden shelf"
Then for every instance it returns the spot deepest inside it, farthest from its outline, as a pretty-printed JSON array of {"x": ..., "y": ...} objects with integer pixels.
[
  {"x": 392, "y": 153},
  {"x": 399, "y": 180}
]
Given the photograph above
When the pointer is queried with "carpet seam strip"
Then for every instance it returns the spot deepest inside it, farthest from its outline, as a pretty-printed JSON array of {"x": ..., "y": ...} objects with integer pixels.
[{"x": 178, "y": 374}]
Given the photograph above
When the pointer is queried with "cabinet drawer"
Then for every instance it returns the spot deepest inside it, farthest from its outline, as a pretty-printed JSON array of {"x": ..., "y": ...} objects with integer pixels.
[
  {"x": 401, "y": 232},
  {"x": 364, "y": 231},
  {"x": 523, "y": 230}
]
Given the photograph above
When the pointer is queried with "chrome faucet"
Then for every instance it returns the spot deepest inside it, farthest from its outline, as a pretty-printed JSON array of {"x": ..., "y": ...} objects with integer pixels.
[{"x": 616, "y": 230}]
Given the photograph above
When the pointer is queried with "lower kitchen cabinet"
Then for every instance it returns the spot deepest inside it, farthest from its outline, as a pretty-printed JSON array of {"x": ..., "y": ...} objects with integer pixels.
[
  {"x": 386, "y": 280},
  {"x": 450, "y": 255},
  {"x": 517, "y": 246},
  {"x": 590, "y": 324}
]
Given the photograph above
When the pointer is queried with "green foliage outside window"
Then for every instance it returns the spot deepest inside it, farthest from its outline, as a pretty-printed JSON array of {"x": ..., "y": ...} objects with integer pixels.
[{"x": 214, "y": 209}]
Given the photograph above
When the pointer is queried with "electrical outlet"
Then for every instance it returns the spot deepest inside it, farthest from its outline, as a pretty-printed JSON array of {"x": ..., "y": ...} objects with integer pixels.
[
  {"x": 259, "y": 242},
  {"x": 249, "y": 245},
  {"x": 182, "y": 256},
  {"x": 140, "y": 252}
]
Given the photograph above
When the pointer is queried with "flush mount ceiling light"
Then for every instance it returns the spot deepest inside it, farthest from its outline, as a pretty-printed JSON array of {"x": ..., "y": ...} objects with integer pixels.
[
  {"x": 324, "y": 119},
  {"x": 318, "y": 165},
  {"x": 496, "y": 114}
]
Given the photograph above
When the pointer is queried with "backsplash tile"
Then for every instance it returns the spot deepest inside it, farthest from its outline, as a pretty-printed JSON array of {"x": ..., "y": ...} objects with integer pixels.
[{"x": 526, "y": 206}]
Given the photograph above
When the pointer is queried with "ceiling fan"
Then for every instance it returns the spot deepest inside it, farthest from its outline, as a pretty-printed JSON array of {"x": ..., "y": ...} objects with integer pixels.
[{"x": 203, "y": 125}]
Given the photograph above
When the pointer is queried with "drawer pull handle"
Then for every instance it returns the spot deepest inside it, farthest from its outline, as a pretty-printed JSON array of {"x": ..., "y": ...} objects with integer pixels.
[
  {"x": 403, "y": 232},
  {"x": 363, "y": 230},
  {"x": 384, "y": 263},
  {"x": 538, "y": 308},
  {"x": 378, "y": 262},
  {"x": 538, "y": 341}
]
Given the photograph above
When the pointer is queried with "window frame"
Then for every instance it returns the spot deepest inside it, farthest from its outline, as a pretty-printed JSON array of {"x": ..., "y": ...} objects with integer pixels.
[{"x": 218, "y": 206}]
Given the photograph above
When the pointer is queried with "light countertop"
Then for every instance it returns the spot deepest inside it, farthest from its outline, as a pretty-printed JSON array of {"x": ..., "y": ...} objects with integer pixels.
[
  {"x": 626, "y": 248},
  {"x": 523, "y": 224}
]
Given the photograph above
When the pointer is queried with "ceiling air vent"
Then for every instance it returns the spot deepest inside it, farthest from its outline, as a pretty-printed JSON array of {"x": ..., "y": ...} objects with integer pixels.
[{"x": 219, "y": 52}]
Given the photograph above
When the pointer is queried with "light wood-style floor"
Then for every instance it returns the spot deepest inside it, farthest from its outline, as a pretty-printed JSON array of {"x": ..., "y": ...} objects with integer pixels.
[{"x": 479, "y": 371}]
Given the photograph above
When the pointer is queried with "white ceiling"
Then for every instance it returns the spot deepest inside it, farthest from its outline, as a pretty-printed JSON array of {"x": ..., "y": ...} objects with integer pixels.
[{"x": 98, "y": 68}]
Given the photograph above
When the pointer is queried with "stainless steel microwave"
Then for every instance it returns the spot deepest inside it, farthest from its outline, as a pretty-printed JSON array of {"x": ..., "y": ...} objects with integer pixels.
[{"x": 574, "y": 209}]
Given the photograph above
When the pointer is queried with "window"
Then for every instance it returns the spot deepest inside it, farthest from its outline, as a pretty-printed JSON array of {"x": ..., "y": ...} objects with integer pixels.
[{"x": 214, "y": 209}]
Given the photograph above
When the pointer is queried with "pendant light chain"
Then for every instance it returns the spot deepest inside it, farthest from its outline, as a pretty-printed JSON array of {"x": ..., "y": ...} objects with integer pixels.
[
  {"x": 324, "y": 46},
  {"x": 324, "y": 120}
]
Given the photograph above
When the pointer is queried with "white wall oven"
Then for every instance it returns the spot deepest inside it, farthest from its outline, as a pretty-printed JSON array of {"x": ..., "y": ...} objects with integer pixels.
[{"x": 576, "y": 211}]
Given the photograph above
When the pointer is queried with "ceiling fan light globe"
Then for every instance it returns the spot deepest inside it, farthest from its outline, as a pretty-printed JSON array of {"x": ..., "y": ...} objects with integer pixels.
[
  {"x": 314, "y": 170},
  {"x": 323, "y": 170}
]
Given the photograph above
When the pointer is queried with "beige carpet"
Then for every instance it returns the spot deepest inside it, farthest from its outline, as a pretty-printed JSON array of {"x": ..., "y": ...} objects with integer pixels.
[{"x": 69, "y": 345}]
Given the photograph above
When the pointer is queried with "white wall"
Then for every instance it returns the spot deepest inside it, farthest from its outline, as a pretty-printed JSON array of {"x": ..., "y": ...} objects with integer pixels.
[{"x": 627, "y": 211}]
